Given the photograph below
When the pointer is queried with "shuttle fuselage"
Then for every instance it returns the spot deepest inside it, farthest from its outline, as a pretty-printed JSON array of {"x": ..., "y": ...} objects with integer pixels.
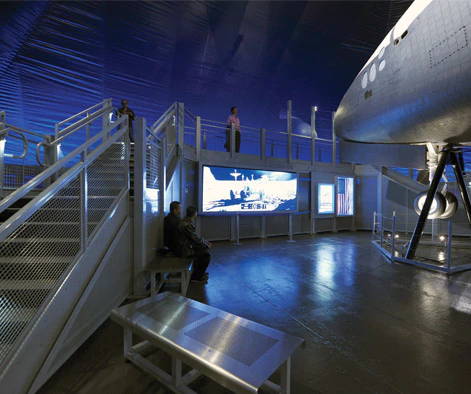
[{"x": 416, "y": 88}]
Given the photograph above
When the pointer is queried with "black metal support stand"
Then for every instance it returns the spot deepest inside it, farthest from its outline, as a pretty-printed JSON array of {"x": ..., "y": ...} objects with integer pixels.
[
  {"x": 419, "y": 228},
  {"x": 460, "y": 180}
]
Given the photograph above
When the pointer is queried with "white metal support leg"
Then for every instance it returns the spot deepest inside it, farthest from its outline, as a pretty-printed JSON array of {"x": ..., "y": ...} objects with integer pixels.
[
  {"x": 153, "y": 284},
  {"x": 176, "y": 372},
  {"x": 285, "y": 385},
  {"x": 127, "y": 341}
]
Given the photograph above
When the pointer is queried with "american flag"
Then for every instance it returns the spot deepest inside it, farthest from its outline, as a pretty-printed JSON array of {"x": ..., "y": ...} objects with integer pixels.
[{"x": 344, "y": 196}]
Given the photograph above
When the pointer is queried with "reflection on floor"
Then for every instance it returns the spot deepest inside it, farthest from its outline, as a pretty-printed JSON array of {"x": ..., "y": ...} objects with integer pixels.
[{"x": 370, "y": 326}]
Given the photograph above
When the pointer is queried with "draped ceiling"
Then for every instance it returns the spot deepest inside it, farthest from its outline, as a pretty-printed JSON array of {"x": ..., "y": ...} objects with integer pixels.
[{"x": 57, "y": 58}]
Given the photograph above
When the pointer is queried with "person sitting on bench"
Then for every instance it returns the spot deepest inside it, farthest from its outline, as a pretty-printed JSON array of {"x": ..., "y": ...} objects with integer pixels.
[
  {"x": 174, "y": 239},
  {"x": 198, "y": 247}
]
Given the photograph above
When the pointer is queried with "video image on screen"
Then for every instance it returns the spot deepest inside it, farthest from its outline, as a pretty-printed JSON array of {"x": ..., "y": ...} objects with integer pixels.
[{"x": 247, "y": 191}]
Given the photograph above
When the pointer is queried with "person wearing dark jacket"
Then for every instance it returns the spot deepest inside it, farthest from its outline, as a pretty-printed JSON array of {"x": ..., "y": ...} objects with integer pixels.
[
  {"x": 196, "y": 246},
  {"x": 174, "y": 239}
]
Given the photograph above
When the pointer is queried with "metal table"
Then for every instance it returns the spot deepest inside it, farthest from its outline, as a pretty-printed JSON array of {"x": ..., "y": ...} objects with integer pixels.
[{"x": 237, "y": 353}]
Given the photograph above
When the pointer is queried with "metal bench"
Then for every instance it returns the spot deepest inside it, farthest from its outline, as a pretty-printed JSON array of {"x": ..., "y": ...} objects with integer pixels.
[
  {"x": 172, "y": 269},
  {"x": 239, "y": 354}
]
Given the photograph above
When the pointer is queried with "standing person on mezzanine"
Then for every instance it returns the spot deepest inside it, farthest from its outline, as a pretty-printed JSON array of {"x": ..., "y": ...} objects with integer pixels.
[{"x": 233, "y": 121}]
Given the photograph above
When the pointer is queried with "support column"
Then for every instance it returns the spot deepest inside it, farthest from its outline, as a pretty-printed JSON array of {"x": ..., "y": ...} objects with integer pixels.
[
  {"x": 462, "y": 186},
  {"x": 181, "y": 153},
  {"x": 263, "y": 143},
  {"x": 139, "y": 226},
  {"x": 414, "y": 242},
  {"x": 289, "y": 120}
]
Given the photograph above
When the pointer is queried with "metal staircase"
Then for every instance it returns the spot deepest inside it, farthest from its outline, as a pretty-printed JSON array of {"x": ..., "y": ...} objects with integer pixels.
[{"x": 60, "y": 230}]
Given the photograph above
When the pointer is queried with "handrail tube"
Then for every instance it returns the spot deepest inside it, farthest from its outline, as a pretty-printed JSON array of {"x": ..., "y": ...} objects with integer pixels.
[
  {"x": 156, "y": 130},
  {"x": 224, "y": 123},
  {"x": 164, "y": 115},
  {"x": 25, "y": 147},
  {"x": 78, "y": 125},
  {"x": 20, "y": 130},
  {"x": 16, "y": 220},
  {"x": 41, "y": 177},
  {"x": 84, "y": 112}
]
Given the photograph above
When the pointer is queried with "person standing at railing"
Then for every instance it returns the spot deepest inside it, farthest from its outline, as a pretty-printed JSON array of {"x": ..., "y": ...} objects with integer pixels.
[
  {"x": 125, "y": 110},
  {"x": 233, "y": 122}
]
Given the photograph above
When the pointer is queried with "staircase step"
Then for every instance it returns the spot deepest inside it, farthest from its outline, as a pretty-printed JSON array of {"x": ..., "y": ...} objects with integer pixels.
[
  {"x": 46, "y": 247},
  {"x": 32, "y": 271},
  {"x": 17, "y": 315},
  {"x": 23, "y": 297},
  {"x": 26, "y": 285},
  {"x": 10, "y": 331}
]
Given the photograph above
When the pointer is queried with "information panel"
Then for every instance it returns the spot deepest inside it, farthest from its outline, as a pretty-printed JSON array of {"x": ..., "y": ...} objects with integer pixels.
[
  {"x": 344, "y": 196},
  {"x": 238, "y": 190},
  {"x": 325, "y": 198}
]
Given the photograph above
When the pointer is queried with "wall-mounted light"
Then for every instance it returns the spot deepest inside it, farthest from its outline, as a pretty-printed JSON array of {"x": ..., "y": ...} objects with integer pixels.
[{"x": 442, "y": 238}]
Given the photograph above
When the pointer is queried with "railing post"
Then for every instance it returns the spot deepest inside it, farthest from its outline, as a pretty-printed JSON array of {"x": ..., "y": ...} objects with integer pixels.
[
  {"x": 334, "y": 141},
  {"x": 393, "y": 240},
  {"x": 313, "y": 135},
  {"x": 237, "y": 230},
  {"x": 263, "y": 143},
  {"x": 84, "y": 204},
  {"x": 312, "y": 204},
  {"x": 289, "y": 120},
  {"x": 198, "y": 138},
  {"x": 374, "y": 224},
  {"x": 290, "y": 228},
  {"x": 448, "y": 246},
  {"x": 2, "y": 164},
  {"x": 205, "y": 142},
  {"x": 263, "y": 227},
  {"x": 381, "y": 236}
]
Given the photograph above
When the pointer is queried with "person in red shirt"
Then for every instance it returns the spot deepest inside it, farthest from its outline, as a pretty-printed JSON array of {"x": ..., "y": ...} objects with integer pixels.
[{"x": 233, "y": 121}]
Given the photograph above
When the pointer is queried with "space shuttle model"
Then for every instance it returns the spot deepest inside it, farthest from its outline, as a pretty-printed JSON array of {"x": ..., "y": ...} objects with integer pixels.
[{"x": 416, "y": 89}]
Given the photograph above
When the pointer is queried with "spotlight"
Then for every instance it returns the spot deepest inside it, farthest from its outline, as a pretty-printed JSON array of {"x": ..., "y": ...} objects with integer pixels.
[
  {"x": 442, "y": 238},
  {"x": 396, "y": 236}
]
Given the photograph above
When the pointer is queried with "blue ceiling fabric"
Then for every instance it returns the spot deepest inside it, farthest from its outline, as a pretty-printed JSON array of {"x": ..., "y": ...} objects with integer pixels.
[{"x": 57, "y": 58}]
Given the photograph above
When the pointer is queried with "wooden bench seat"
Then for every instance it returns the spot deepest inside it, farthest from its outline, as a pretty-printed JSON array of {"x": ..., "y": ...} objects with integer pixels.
[{"x": 172, "y": 269}]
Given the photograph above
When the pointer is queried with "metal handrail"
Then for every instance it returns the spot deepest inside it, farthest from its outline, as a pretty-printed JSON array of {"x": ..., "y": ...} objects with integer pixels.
[
  {"x": 22, "y": 137},
  {"x": 163, "y": 116},
  {"x": 85, "y": 111},
  {"x": 60, "y": 135},
  {"x": 58, "y": 165},
  {"x": 16, "y": 220}
]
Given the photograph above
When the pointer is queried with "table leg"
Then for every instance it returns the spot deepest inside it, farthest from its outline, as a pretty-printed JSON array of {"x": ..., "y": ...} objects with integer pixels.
[
  {"x": 152, "y": 283},
  {"x": 127, "y": 341},
  {"x": 176, "y": 371},
  {"x": 286, "y": 377}
]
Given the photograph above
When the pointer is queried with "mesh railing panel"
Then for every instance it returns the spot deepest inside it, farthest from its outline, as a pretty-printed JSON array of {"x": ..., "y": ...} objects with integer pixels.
[
  {"x": 106, "y": 179},
  {"x": 33, "y": 258},
  {"x": 16, "y": 175},
  {"x": 153, "y": 154}
]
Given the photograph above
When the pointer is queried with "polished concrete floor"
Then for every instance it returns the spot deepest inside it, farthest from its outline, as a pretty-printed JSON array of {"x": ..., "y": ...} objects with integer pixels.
[{"x": 369, "y": 325}]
